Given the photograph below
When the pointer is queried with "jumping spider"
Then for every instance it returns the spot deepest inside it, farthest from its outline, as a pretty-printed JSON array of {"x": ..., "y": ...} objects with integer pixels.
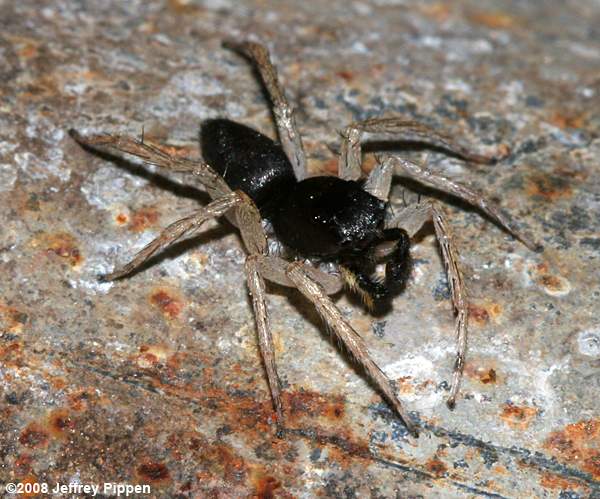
[{"x": 342, "y": 220}]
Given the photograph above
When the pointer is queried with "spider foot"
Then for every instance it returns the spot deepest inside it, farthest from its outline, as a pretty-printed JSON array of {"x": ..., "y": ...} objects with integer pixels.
[
  {"x": 113, "y": 276},
  {"x": 102, "y": 278}
]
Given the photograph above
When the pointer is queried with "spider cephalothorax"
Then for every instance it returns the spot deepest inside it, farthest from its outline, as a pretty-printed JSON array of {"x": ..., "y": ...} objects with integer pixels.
[{"x": 341, "y": 219}]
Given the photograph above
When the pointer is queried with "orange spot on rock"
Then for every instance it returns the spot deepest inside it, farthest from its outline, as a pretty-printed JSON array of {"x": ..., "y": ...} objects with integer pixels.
[
  {"x": 121, "y": 218},
  {"x": 488, "y": 376},
  {"x": 345, "y": 75},
  {"x": 61, "y": 244},
  {"x": 200, "y": 258},
  {"x": 11, "y": 319},
  {"x": 213, "y": 461},
  {"x": 28, "y": 51},
  {"x": 265, "y": 486},
  {"x": 79, "y": 400},
  {"x": 153, "y": 472},
  {"x": 518, "y": 417},
  {"x": 493, "y": 20},
  {"x": 494, "y": 310},
  {"x": 578, "y": 444},
  {"x": 551, "y": 481},
  {"x": 34, "y": 436},
  {"x": 568, "y": 120},
  {"x": 435, "y": 466},
  {"x": 547, "y": 187},
  {"x": 306, "y": 403},
  {"x": 481, "y": 313},
  {"x": 438, "y": 11},
  {"x": 60, "y": 423},
  {"x": 483, "y": 370},
  {"x": 554, "y": 284},
  {"x": 31, "y": 481},
  {"x": 12, "y": 355},
  {"x": 170, "y": 305},
  {"x": 404, "y": 384},
  {"x": 143, "y": 218},
  {"x": 542, "y": 267},
  {"x": 146, "y": 360},
  {"x": 182, "y": 7},
  {"x": 478, "y": 314},
  {"x": 58, "y": 383}
]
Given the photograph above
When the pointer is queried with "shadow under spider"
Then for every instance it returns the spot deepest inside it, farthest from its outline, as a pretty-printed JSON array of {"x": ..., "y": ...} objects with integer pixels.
[
  {"x": 179, "y": 248},
  {"x": 161, "y": 181}
]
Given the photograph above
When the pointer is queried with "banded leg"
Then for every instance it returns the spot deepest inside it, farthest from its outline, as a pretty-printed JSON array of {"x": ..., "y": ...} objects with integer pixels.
[
  {"x": 459, "y": 298},
  {"x": 349, "y": 166},
  {"x": 412, "y": 219},
  {"x": 422, "y": 174},
  {"x": 149, "y": 154},
  {"x": 348, "y": 336},
  {"x": 284, "y": 114}
]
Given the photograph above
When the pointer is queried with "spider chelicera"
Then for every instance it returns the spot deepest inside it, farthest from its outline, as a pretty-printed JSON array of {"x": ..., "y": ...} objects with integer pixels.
[{"x": 341, "y": 220}]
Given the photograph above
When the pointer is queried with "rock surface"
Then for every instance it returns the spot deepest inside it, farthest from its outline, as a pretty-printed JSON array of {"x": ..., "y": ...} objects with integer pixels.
[{"x": 156, "y": 379}]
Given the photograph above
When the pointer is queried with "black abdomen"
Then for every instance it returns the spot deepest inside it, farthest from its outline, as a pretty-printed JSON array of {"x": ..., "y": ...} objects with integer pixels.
[
  {"x": 328, "y": 216},
  {"x": 247, "y": 160}
]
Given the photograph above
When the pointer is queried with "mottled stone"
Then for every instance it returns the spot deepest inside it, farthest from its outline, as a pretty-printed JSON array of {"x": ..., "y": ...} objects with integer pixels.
[{"x": 157, "y": 379}]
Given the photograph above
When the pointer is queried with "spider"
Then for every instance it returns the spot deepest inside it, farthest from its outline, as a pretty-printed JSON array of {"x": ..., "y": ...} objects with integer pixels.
[{"x": 341, "y": 220}]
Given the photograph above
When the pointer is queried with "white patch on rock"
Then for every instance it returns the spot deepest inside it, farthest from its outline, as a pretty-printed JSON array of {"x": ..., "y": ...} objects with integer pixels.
[
  {"x": 109, "y": 186},
  {"x": 8, "y": 177},
  {"x": 588, "y": 342}
]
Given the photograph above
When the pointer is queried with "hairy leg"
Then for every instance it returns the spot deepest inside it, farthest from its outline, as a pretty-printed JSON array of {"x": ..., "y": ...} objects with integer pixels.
[
  {"x": 120, "y": 146},
  {"x": 413, "y": 217},
  {"x": 274, "y": 269},
  {"x": 256, "y": 286},
  {"x": 459, "y": 297},
  {"x": 411, "y": 131},
  {"x": 175, "y": 231},
  {"x": 379, "y": 181},
  {"x": 348, "y": 336},
  {"x": 422, "y": 174},
  {"x": 284, "y": 114}
]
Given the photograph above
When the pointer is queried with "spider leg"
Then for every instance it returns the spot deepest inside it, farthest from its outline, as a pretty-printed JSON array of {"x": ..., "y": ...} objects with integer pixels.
[
  {"x": 348, "y": 336},
  {"x": 379, "y": 181},
  {"x": 284, "y": 114},
  {"x": 350, "y": 154},
  {"x": 405, "y": 130},
  {"x": 256, "y": 286},
  {"x": 175, "y": 231},
  {"x": 259, "y": 266},
  {"x": 422, "y": 174},
  {"x": 149, "y": 154},
  {"x": 411, "y": 219},
  {"x": 459, "y": 297},
  {"x": 274, "y": 269}
]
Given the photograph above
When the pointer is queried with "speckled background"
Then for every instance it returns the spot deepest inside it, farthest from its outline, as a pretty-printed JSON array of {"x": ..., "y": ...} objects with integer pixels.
[{"x": 156, "y": 379}]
